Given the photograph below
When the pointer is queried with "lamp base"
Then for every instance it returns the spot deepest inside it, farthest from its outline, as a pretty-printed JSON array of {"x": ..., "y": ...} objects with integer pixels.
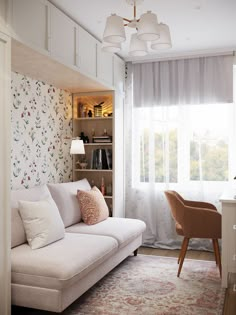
[{"x": 134, "y": 2}]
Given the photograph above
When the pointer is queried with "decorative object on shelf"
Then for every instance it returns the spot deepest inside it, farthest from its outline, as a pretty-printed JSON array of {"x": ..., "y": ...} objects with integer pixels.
[
  {"x": 82, "y": 164},
  {"x": 103, "y": 186},
  {"x": 98, "y": 110},
  {"x": 148, "y": 30},
  {"x": 109, "y": 189},
  {"x": 90, "y": 114},
  {"x": 105, "y": 114},
  {"x": 84, "y": 138},
  {"x": 80, "y": 111},
  {"x": 110, "y": 115},
  {"x": 85, "y": 112}
]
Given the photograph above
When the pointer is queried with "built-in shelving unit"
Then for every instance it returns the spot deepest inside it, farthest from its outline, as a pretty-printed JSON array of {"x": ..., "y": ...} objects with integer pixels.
[{"x": 92, "y": 127}]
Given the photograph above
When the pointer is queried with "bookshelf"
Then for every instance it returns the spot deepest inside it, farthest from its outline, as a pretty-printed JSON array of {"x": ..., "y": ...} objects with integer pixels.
[{"x": 92, "y": 128}]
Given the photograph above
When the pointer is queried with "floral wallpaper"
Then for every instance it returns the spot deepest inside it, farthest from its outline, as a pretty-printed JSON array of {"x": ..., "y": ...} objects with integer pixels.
[{"x": 41, "y": 119}]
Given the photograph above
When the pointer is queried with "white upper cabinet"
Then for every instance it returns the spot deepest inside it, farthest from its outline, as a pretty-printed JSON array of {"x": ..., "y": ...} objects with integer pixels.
[
  {"x": 3, "y": 16},
  {"x": 46, "y": 29},
  {"x": 86, "y": 53},
  {"x": 119, "y": 74},
  {"x": 63, "y": 37},
  {"x": 30, "y": 23},
  {"x": 104, "y": 66}
]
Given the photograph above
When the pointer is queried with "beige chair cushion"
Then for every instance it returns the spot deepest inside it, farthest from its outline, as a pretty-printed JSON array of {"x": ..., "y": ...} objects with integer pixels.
[
  {"x": 62, "y": 263},
  {"x": 122, "y": 229},
  {"x": 92, "y": 205},
  {"x": 18, "y": 236},
  {"x": 65, "y": 196},
  {"x": 42, "y": 222}
]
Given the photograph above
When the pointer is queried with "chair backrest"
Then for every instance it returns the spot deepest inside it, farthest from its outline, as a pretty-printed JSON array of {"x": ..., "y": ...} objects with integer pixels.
[
  {"x": 176, "y": 205},
  {"x": 178, "y": 196}
]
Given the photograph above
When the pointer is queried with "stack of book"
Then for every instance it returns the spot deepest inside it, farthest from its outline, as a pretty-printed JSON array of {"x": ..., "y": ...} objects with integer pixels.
[
  {"x": 102, "y": 139},
  {"x": 101, "y": 159}
]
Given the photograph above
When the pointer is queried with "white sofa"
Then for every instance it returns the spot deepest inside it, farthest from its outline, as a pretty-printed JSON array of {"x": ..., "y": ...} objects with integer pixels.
[{"x": 52, "y": 277}]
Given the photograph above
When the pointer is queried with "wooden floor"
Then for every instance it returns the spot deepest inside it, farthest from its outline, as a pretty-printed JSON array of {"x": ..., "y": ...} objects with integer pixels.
[
  {"x": 191, "y": 254},
  {"x": 230, "y": 296}
]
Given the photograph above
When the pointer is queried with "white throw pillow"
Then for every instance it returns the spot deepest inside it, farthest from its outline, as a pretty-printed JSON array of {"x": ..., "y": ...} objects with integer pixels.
[{"x": 42, "y": 222}]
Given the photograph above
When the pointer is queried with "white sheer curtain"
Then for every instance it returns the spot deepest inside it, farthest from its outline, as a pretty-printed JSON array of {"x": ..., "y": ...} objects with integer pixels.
[{"x": 188, "y": 146}]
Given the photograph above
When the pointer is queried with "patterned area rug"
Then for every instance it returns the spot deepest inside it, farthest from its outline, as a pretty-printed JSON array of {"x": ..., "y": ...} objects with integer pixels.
[{"x": 149, "y": 285}]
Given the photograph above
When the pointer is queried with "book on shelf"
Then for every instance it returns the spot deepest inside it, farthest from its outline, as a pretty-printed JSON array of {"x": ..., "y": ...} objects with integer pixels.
[
  {"x": 102, "y": 139},
  {"x": 109, "y": 158},
  {"x": 101, "y": 159}
]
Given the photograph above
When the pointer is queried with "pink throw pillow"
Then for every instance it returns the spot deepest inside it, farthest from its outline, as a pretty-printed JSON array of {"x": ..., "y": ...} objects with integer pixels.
[{"x": 93, "y": 206}]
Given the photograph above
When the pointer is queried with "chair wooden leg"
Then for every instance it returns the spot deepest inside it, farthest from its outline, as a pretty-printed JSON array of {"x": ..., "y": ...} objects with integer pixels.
[
  {"x": 218, "y": 255},
  {"x": 214, "y": 247},
  {"x": 183, "y": 253}
]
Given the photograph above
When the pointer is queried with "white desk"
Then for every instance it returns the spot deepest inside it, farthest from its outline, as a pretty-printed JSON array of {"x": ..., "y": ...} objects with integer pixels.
[{"x": 228, "y": 235}]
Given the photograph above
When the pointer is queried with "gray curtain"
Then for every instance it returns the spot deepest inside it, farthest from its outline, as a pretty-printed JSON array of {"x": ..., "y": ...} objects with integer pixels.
[{"x": 188, "y": 81}]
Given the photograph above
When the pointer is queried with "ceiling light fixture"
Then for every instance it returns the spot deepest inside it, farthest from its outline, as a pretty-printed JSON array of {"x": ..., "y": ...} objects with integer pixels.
[{"x": 148, "y": 30}]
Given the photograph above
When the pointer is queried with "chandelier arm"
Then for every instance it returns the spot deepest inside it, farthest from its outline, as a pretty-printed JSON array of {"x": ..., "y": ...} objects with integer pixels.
[
  {"x": 134, "y": 10},
  {"x": 127, "y": 20}
]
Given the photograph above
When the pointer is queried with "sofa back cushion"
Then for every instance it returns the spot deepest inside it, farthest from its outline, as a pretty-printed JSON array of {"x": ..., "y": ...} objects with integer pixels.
[
  {"x": 42, "y": 222},
  {"x": 18, "y": 236},
  {"x": 65, "y": 196}
]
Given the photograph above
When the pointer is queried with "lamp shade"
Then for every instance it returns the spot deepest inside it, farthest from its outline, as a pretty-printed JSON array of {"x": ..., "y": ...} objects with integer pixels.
[
  {"x": 77, "y": 147},
  {"x": 148, "y": 27},
  {"x": 138, "y": 48},
  {"x": 114, "y": 31},
  {"x": 111, "y": 47},
  {"x": 164, "y": 42}
]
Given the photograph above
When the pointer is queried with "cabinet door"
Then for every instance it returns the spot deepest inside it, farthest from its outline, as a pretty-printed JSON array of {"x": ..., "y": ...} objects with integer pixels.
[
  {"x": 30, "y": 23},
  {"x": 86, "y": 58},
  {"x": 3, "y": 16},
  {"x": 104, "y": 66},
  {"x": 119, "y": 74},
  {"x": 63, "y": 37}
]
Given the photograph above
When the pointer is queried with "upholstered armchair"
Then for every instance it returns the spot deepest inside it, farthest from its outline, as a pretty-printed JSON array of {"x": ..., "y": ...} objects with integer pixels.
[{"x": 194, "y": 219}]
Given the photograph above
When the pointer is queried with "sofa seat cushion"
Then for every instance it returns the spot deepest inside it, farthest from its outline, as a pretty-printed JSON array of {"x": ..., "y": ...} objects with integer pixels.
[
  {"x": 62, "y": 263},
  {"x": 122, "y": 229}
]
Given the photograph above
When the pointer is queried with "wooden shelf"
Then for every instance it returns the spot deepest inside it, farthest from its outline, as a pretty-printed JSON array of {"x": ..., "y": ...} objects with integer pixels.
[
  {"x": 91, "y": 170},
  {"x": 93, "y": 118},
  {"x": 99, "y": 144},
  {"x": 107, "y": 197}
]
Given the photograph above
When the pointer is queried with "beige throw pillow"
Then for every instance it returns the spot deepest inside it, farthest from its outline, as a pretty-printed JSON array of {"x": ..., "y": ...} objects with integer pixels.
[
  {"x": 42, "y": 222},
  {"x": 93, "y": 206}
]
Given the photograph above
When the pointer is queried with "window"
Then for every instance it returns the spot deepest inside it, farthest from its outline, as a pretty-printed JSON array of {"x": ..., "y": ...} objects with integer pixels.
[{"x": 183, "y": 143}]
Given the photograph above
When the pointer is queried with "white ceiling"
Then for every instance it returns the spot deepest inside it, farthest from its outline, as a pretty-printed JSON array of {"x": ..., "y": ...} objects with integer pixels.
[{"x": 196, "y": 26}]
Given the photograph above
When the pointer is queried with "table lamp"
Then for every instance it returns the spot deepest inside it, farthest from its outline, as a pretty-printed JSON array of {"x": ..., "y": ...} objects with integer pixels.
[{"x": 77, "y": 147}]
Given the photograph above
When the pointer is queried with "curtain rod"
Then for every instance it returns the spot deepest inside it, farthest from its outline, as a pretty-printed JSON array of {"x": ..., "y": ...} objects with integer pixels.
[{"x": 213, "y": 54}]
